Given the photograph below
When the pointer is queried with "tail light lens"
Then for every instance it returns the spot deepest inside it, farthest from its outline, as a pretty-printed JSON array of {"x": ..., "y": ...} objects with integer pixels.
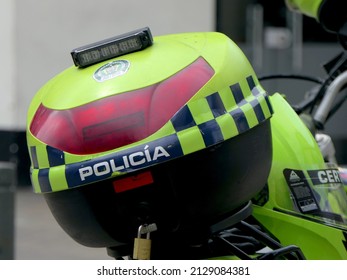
[{"x": 120, "y": 119}]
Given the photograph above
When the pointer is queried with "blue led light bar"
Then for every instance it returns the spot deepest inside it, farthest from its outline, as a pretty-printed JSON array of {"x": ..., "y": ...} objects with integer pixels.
[{"x": 110, "y": 48}]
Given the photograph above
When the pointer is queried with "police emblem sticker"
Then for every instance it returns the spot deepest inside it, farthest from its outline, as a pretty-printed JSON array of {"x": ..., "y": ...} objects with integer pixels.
[{"x": 111, "y": 70}]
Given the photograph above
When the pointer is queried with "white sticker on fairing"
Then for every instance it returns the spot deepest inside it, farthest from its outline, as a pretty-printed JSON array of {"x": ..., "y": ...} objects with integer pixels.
[{"x": 325, "y": 176}]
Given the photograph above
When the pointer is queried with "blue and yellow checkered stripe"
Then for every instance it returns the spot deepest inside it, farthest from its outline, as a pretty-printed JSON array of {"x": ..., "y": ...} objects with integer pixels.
[
  {"x": 221, "y": 115},
  {"x": 201, "y": 123}
]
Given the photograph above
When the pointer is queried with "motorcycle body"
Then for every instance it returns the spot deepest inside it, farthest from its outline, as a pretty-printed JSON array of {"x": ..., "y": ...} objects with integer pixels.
[
  {"x": 315, "y": 222},
  {"x": 173, "y": 141}
]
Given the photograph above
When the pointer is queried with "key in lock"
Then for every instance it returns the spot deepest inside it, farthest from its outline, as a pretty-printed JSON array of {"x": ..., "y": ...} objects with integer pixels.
[{"x": 142, "y": 246}]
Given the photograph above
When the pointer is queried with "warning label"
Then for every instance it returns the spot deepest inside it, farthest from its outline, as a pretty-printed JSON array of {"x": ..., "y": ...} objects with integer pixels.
[{"x": 302, "y": 193}]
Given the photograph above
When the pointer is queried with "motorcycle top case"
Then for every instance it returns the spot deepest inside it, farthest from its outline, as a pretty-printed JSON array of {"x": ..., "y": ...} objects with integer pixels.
[{"x": 178, "y": 131}]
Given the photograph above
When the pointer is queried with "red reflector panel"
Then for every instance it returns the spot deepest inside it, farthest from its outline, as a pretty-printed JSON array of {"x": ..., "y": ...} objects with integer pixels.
[
  {"x": 132, "y": 182},
  {"x": 120, "y": 119}
]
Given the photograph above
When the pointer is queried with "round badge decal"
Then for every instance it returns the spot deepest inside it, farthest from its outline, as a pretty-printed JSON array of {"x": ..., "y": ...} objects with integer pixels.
[{"x": 111, "y": 70}]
